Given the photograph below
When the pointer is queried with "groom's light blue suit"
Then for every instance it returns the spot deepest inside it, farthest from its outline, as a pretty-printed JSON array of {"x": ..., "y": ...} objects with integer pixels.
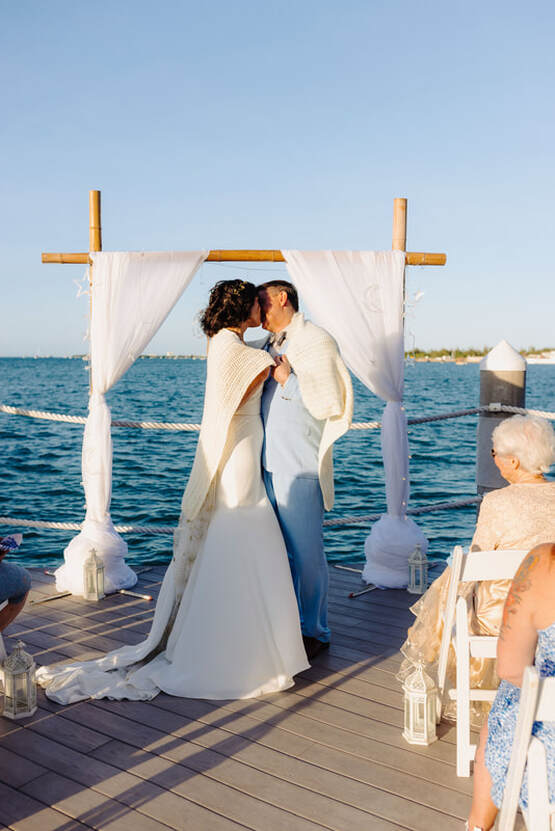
[{"x": 290, "y": 468}]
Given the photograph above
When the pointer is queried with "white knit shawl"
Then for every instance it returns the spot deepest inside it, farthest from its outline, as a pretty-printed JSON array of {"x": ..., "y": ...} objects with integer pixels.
[{"x": 231, "y": 366}]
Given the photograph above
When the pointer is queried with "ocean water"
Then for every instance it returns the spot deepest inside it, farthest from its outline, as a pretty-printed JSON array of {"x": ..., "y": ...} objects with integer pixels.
[{"x": 41, "y": 460}]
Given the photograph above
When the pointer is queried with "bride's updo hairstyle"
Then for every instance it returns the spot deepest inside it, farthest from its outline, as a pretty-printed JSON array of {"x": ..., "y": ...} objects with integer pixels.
[
  {"x": 530, "y": 439},
  {"x": 230, "y": 304}
]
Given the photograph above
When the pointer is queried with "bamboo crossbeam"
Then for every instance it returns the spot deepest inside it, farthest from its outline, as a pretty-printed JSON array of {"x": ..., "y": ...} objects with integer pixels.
[
  {"x": 250, "y": 256},
  {"x": 66, "y": 258}
]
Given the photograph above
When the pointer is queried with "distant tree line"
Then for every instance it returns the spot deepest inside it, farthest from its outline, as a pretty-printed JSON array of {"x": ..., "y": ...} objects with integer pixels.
[{"x": 468, "y": 353}]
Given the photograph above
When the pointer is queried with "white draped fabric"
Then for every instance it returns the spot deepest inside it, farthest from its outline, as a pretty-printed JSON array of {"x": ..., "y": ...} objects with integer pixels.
[
  {"x": 358, "y": 297},
  {"x": 132, "y": 294}
]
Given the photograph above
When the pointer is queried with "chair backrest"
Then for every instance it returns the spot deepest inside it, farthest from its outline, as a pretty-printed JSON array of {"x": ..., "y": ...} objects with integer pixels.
[
  {"x": 545, "y": 708},
  {"x": 537, "y": 703},
  {"x": 491, "y": 565},
  {"x": 470, "y": 567}
]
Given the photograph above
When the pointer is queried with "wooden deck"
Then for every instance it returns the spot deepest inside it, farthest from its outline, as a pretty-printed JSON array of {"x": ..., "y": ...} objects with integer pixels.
[{"x": 327, "y": 754}]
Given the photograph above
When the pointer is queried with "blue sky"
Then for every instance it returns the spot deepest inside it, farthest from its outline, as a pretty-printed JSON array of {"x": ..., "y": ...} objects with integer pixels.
[{"x": 281, "y": 124}]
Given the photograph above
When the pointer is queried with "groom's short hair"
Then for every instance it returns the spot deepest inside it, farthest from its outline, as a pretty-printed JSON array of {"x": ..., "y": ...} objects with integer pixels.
[{"x": 283, "y": 285}]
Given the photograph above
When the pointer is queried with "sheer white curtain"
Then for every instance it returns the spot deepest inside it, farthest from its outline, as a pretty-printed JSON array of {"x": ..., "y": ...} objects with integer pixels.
[
  {"x": 132, "y": 294},
  {"x": 358, "y": 297}
]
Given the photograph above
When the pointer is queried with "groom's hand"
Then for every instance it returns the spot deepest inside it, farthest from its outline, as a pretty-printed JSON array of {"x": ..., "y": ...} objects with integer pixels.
[{"x": 282, "y": 369}]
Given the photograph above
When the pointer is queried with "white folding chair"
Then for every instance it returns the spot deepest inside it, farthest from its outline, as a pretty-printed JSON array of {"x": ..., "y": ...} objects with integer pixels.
[
  {"x": 2, "y": 650},
  {"x": 457, "y": 559},
  {"x": 476, "y": 566},
  {"x": 2, "y": 647},
  {"x": 537, "y": 703}
]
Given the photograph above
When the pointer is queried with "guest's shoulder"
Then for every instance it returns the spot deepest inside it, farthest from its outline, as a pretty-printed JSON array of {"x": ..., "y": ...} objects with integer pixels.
[
  {"x": 499, "y": 496},
  {"x": 519, "y": 494}
]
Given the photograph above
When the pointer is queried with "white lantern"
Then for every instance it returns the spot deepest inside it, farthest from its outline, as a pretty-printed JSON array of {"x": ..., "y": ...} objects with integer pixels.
[
  {"x": 418, "y": 571},
  {"x": 20, "y": 690},
  {"x": 93, "y": 577},
  {"x": 420, "y": 708}
]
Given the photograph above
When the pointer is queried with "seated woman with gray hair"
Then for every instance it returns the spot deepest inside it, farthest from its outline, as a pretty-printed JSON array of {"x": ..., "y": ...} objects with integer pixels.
[{"x": 518, "y": 516}]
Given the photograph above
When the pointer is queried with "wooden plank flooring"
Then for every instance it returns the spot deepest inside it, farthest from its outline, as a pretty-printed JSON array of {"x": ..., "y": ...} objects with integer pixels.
[{"x": 327, "y": 754}]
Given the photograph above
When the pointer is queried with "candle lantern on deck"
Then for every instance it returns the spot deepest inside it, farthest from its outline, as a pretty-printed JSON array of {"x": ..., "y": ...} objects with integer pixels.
[
  {"x": 20, "y": 690},
  {"x": 418, "y": 571},
  {"x": 93, "y": 577},
  {"x": 420, "y": 708}
]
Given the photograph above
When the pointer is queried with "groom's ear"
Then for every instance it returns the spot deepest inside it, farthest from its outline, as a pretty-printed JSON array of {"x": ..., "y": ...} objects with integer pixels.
[{"x": 283, "y": 298}]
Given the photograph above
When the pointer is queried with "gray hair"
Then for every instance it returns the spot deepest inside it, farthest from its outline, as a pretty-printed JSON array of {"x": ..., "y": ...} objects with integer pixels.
[{"x": 530, "y": 438}]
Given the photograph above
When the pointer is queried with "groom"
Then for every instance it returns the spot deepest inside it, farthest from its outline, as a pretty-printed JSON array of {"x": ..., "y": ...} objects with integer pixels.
[{"x": 306, "y": 405}]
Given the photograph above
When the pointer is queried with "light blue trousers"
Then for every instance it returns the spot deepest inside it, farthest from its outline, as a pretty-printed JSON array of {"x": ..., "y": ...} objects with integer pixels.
[{"x": 299, "y": 507}]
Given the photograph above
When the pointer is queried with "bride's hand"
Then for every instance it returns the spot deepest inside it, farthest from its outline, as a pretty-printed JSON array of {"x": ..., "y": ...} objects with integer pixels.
[{"x": 282, "y": 369}]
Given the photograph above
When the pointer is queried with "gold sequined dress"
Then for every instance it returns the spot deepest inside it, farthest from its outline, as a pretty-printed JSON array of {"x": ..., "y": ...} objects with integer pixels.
[{"x": 517, "y": 516}]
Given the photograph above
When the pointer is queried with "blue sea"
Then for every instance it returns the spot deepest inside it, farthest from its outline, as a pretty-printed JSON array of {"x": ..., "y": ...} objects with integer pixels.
[{"x": 41, "y": 460}]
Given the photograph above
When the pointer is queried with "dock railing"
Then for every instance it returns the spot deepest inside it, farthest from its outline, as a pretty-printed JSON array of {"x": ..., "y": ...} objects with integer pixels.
[{"x": 190, "y": 427}]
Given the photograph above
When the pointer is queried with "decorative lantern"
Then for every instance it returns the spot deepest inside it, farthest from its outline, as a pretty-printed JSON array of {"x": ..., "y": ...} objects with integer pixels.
[
  {"x": 418, "y": 571},
  {"x": 20, "y": 691},
  {"x": 420, "y": 708},
  {"x": 93, "y": 577}
]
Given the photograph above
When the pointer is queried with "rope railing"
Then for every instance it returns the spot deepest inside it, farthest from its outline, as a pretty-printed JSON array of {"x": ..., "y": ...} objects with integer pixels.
[
  {"x": 178, "y": 426},
  {"x": 425, "y": 509},
  {"x": 168, "y": 529},
  {"x": 183, "y": 426}
]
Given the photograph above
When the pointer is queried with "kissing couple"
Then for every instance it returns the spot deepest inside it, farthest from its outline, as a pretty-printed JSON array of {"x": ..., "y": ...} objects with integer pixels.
[{"x": 243, "y": 604}]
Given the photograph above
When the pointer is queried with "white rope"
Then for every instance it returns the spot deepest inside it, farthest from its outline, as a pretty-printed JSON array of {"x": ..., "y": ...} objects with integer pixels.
[
  {"x": 76, "y": 526},
  {"x": 5, "y": 408},
  {"x": 166, "y": 529},
  {"x": 439, "y": 506},
  {"x": 144, "y": 425},
  {"x": 177, "y": 426},
  {"x": 158, "y": 425},
  {"x": 443, "y": 416},
  {"x": 507, "y": 408}
]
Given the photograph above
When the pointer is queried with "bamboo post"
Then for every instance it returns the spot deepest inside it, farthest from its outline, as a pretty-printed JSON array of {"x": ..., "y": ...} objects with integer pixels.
[
  {"x": 399, "y": 241},
  {"x": 95, "y": 244},
  {"x": 399, "y": 225},
  {"x": 95, "y": 227}
]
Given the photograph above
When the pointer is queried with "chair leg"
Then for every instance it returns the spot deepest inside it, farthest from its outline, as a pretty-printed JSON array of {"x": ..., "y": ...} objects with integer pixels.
[
  {"x": 464, "y": 754},
  {"x": 538, "y": 795}
]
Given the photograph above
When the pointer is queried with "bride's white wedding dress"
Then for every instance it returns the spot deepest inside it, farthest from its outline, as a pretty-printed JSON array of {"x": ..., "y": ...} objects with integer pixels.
[{"x": 237, "y": 632}]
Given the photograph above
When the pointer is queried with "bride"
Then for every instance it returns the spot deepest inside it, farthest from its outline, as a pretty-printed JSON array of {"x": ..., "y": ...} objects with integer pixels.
[{"x": 226, "y": 623}]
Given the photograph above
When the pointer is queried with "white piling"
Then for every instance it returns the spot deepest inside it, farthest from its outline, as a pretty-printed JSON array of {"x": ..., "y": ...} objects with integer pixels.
[{"x": 502, "y": 381}]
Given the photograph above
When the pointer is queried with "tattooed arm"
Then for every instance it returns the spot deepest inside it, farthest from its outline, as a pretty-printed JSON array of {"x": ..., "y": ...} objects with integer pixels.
[{"x": 518, "y": 636}]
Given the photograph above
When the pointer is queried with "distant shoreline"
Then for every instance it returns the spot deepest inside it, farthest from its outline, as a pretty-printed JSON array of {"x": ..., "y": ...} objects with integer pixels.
[
  {"x": 474, "y": 356},
  {"x": 168, "y": 357},
  {"x": 458, "y": 356}
]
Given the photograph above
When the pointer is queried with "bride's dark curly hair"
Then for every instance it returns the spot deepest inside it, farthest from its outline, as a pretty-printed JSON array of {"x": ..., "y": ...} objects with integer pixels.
[{"x": 230, "y": 304}]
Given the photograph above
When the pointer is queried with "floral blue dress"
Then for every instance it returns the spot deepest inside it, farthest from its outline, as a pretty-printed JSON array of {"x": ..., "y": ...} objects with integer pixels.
[{"x": 502, "y": 725}]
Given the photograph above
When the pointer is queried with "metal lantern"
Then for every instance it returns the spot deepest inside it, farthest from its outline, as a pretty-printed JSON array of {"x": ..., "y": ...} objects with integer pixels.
[
  {"x": 420, "y": 708},
  {"x": 20, "y": 690},
  {"x": 418, "y": 571},
  {"x": 93, "y": 577}
]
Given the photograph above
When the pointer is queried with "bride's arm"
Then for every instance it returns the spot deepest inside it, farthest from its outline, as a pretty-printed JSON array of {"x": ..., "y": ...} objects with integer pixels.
[{"x": 260, "y": 378}]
